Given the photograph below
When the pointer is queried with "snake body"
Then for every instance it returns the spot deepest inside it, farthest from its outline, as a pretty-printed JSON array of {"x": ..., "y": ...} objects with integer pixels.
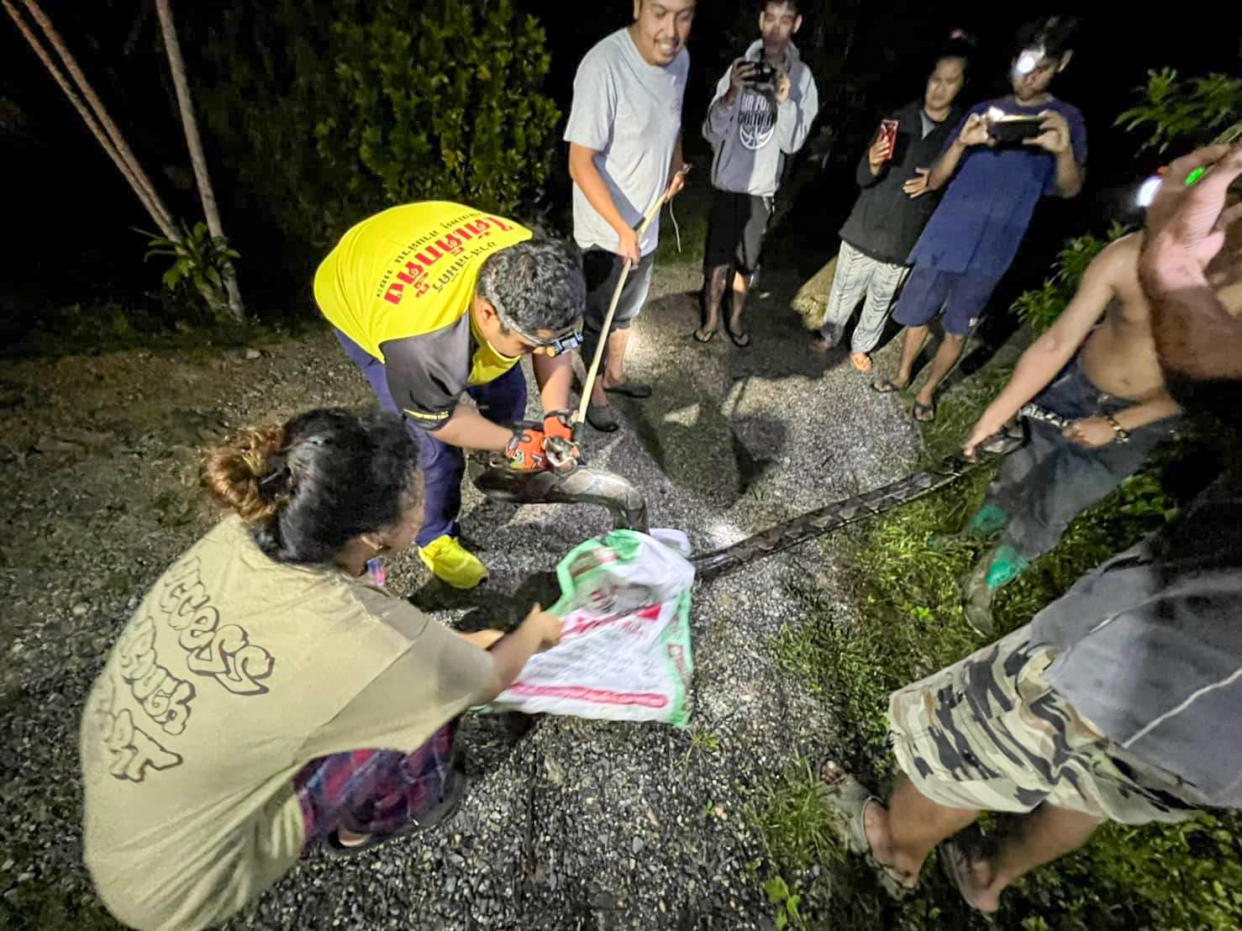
[{"x": 590, "y": 486}]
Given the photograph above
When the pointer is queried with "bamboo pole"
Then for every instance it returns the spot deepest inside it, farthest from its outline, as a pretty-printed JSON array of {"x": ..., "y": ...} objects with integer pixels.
[
  {"x": 195, "y": 144},
  {"x": 101, "y": 113}
]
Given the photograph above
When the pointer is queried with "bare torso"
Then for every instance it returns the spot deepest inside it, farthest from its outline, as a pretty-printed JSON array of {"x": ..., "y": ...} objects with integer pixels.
[{"x": 1119, "y": 356}]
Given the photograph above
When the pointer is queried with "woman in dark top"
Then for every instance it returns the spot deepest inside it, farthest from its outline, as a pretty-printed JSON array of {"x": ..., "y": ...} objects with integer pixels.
[{"x": 892, "y": 209}]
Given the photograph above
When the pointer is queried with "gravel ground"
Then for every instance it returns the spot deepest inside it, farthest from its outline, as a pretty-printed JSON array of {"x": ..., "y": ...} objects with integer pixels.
[{"x": 570, "y": 823}]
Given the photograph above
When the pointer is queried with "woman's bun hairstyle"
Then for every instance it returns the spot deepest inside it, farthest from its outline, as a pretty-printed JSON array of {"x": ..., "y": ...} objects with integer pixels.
[{"x": 308, "y": 487}]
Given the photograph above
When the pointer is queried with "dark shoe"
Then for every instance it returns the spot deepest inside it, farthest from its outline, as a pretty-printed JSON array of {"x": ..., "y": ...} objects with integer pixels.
[
  {"x": 821, "y": 344},
  {"x": 603, "y": 418},
  {"x": 977, "y": 598},
  {"x": 630, "y": 389}
]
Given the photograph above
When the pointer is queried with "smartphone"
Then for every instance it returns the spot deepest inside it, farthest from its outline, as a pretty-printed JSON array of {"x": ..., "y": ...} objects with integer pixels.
[
  {"x": 1014, "y": 128},
  {"x": 888, "y": 132}
]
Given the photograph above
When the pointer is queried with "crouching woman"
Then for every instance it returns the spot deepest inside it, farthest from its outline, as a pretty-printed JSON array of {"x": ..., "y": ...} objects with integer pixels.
[{"x": 265, "y": 695}]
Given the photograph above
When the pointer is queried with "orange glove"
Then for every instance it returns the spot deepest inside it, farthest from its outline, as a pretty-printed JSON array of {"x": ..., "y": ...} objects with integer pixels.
[
  {"x": 558, "y": 424},
  {"x": 525, "y": 449}
]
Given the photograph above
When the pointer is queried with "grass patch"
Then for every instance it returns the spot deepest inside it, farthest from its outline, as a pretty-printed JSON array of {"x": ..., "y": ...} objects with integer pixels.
[{"x": 904, "y": 623}]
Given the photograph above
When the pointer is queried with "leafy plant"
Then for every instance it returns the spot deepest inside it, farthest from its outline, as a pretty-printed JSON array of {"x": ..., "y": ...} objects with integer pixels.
[
  {"x": 1038, "y": 308},
  {"x": 1186, "y": 110},
  {"x": 199, "y": 264},
  {"x": 441, "y": 101},
  {"x": 787, "y": 903}
]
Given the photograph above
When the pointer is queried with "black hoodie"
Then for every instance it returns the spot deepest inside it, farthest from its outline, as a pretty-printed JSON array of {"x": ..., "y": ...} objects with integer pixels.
[{"x": 885, "y": 222}]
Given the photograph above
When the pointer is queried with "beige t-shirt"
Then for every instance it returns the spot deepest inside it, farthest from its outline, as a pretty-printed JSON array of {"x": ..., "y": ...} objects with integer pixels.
[{"x": 232, "y": 674}]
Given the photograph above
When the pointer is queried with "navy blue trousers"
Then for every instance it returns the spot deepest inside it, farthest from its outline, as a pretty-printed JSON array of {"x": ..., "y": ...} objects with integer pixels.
[{"x": 501, "y": 401}]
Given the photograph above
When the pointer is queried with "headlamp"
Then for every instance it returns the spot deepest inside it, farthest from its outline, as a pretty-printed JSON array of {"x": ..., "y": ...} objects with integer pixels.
[{"x": 1029, "y": 59}]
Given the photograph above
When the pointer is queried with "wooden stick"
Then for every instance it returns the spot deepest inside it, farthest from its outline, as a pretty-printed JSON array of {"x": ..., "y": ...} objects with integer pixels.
[
  {"x": 152, "y": 207},
  {"x": 589, "y": 385},
  {"x": 195, "y": 145},
  {"x": 162, "y": 217}
]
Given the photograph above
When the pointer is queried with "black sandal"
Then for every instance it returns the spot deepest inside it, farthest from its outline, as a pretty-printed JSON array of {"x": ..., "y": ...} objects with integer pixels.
[{"x": 454, "y": 792}]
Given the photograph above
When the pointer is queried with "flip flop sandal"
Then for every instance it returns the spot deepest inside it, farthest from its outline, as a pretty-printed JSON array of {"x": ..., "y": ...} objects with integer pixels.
[
  {"x": 699, "y": 337},
  {"x": 886, "y": 386},
  {"x": 604, "y": 419},
  {"x": 630, "y": 389},
  {"x": 924, "y": 413},
  {"x": 740, "y": 340},
  {"x": 442, "y": 812},
  {"x": 955, "y": 863},
  {"x": 849, "y": 799},
  {"x": 861, "y": 361}
]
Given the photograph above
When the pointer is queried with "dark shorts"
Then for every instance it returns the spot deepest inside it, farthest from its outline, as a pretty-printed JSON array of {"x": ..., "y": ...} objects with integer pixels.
[
  {"x": 735, "y": 231},
  {"x": 962, "y": 297}
]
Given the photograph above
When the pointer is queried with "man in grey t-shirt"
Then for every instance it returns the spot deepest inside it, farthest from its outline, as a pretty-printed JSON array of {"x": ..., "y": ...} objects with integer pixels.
[{"x": 624, "y": 135}]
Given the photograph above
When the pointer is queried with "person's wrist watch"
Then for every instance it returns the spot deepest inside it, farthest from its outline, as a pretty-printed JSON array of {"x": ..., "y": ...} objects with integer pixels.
[{"x": 1120, "y": 433}]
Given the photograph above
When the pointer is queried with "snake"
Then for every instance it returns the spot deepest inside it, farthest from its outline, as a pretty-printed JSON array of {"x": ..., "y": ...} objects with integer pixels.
[{"x": 585, "y": 485}]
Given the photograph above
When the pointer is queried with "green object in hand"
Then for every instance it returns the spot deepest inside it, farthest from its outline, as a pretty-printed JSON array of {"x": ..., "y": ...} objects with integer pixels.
[{"x": 1196, "y": 175}]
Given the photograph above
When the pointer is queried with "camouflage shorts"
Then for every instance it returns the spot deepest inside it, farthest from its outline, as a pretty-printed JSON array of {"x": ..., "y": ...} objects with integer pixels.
[{"x": 989, "y": 733}]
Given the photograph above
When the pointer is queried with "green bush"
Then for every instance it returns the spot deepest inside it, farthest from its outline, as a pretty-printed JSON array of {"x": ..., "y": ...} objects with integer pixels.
[
  {"x": 329, "y": 110},
  {"x": 441, "y": 102},
  {"x": 1039, "y": 307},
  {"x": 1186, "y": 111}
]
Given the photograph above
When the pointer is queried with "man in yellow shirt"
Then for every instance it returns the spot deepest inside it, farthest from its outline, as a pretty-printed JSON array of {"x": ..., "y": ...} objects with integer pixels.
[{"x": 436, "y": 300}]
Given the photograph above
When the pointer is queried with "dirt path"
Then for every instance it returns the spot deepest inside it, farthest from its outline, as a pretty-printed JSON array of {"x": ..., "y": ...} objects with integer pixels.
[{"x": 576, "y": 824}]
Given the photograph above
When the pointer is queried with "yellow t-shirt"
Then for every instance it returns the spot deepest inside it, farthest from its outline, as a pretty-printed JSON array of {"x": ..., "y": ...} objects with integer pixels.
[
  {"x": 234, "y": 672},
  {"x": 400, "y": 283}
]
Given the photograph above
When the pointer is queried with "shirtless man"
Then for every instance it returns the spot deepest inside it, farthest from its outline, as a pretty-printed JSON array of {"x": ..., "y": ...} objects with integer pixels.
[{"x": 1096, "y": 367}]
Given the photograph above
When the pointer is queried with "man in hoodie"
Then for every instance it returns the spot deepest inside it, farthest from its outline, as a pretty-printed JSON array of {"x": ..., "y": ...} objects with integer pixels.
[{"x": 762, "y": 112}]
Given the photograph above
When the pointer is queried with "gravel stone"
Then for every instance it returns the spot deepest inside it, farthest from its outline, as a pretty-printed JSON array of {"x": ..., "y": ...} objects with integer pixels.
[{"x": 732, "y": 442}]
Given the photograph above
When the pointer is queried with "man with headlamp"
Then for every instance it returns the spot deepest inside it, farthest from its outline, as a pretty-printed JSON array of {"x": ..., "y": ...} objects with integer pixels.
[
  {"x": 1006, "y": 156},
  {"x": 436, "y": 302}
]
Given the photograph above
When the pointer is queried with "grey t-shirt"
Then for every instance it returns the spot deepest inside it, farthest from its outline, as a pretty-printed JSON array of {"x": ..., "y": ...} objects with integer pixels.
[{"x": 630, "y": 113}]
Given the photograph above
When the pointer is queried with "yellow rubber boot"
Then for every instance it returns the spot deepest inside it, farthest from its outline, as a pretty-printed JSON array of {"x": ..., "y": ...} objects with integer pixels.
[{"x": 452, "y": 563}]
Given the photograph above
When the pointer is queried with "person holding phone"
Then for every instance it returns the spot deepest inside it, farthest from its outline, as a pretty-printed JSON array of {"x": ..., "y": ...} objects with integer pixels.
[
  {"x": 893, "y": 206},
  {"x": 761, "y": 113},
  {"x": 994, "y": 182}
]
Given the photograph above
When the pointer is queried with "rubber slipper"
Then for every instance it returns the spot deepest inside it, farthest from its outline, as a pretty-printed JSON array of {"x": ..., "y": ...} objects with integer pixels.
[
  {"x": 698, "y": 335},
  {"x": 924, "y": 413},
  {"x": 442, "y": 812},
  {"x": 740, "y": 340},
  {"x": 630, "y": 389},
  {"x": 956, "y": 865},
  {"x": 604, "y": 419},
  {"x": 886, "y": 386},
  {"x": 850, "y": 799},
  {"x": 861, "y": 361}
]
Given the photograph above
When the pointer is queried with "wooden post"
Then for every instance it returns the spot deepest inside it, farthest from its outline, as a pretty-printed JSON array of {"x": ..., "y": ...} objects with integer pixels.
[
  {"x": 121, "y": 156},
  {"x": 195, "y": 144}
]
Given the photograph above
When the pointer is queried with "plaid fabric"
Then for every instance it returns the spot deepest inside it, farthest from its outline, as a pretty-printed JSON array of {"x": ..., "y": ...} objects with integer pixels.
[
  {"x": 373, "y": 791},
  {"x": 989, "y": 733}
]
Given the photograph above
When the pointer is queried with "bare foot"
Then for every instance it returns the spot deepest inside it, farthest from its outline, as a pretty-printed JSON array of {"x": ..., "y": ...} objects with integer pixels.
[
  {"x": 350, "y": 838},
  {"x": 861, "y": 361}
]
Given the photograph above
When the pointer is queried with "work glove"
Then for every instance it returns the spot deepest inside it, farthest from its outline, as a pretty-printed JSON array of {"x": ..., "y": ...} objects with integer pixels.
[
  {"x": 525, "y": 449},
  {"x": 562, "y": 452}
]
